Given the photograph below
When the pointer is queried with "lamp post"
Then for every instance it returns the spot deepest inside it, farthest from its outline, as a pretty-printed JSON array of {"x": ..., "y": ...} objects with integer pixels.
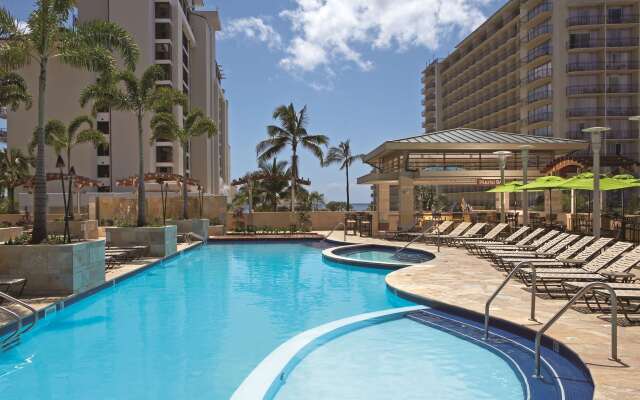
[
  {"x": 525, "y": 177},
  {"x": 200, "y": 198},
  {"x": 502, "y": 158},
  {"x": 596, "y": 141},
  {"x": 72, "y": 174},
  {"x": 60, "y": 165}
]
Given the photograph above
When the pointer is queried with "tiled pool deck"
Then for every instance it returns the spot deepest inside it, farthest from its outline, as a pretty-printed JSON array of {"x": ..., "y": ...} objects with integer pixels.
[{"x": 459, "y": 279}]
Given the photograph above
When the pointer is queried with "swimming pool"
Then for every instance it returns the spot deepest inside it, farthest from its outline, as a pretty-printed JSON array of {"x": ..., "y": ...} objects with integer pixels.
[
  {"x": 380, "y": 256},
  {"x": 196, "y": 325}
]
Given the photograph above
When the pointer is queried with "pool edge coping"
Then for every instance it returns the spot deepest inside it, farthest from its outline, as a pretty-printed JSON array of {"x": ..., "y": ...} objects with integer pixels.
[{"x": 331, "y": 255}]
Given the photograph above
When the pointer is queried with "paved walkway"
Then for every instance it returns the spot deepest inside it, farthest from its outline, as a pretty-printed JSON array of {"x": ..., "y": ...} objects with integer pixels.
[{"x": 459, "y": 279}]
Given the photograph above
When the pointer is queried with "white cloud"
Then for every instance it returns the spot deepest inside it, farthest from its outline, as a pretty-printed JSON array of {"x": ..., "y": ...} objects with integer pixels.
[
  {"x": 329, "y": 31},
  {"x": 253, "y": 28}
]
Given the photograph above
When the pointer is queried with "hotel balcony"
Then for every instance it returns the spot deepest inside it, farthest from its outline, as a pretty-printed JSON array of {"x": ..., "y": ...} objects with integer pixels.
[
  {"x": 540, "y": 117},
  {"x": 600, "y": 88},
  {"x": 537, "y": 53},
  {"x": 599, "y": 19},
  {"x": 539, "y": 95},
  {"x": 600, "y": 112},
  {"x": 597, "y": 66},
  {"x": 610, "y": 42},
  {"x": 540, "y": 9},
  {"x": 538, "y": 31},
  {"x": 541, "y": 74}
]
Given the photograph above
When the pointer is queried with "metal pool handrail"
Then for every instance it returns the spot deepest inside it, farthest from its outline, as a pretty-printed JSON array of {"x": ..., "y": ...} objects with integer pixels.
[
  {"x": 15, "y": 335},
  {"x": 336, "y": 227},
  {"x": 487, "y": 305},
  {"x": 582, "y": 292},
  {"x": 413, "y": 240}
]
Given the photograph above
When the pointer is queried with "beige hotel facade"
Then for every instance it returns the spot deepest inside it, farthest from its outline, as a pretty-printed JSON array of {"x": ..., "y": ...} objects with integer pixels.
[
  {"x": 170, "y": 33},
  {"x": 544, "y": 68}
]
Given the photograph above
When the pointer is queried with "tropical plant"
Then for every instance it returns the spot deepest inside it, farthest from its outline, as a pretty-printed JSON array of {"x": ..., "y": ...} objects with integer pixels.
[
  {"x": 291, "y": 133},
  {"x": 123, "y": 91},
  {"x": 165, "y": 126},
  {"x": 274, "y": 182},
  {"x": 14, "y": 169},
  {"x": 48, "y": 36},
  {"x": 342, "y": 155},
  {"x": 13, "y": 91},
  {"x": 336, "y": 206},
  {"x": 315, "y": 198}
]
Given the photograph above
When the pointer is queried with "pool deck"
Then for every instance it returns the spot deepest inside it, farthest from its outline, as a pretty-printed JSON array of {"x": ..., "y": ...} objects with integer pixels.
[
  {"x": 40, "y": 303},
  {"x": 456, "y": 278}
]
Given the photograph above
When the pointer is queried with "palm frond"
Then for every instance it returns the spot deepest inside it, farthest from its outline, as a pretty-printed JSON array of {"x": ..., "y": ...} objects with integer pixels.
[
  {"x": 13, "y": 91},
  {"x": 149, "y": 78},
  {"x": 77, "y": 122},
  {"x": 111, "y": 37},
  {"x": 269, "y": 148},
  {"x": 91, "y": 136}
]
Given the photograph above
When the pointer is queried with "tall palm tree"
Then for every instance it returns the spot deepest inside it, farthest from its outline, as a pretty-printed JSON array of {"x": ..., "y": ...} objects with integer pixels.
[
  {"x": 342, "y": 155},
  {"x": 275, "y": 177},
  {"x": 64, "y": 138},
  {"x": 165, "y": 126},
  {"x": 14, "y": 168},
  {"x": 315, "y": 198},
  {"x": 13, "y": 91},
  {"x": 291, "y": 133},
  {"x": 125, "y": 92},
  {"x": 49, "y": 36}
]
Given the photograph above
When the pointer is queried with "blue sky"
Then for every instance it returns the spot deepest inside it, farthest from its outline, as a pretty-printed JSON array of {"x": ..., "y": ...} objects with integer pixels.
[{"x": 355, "y": 63}]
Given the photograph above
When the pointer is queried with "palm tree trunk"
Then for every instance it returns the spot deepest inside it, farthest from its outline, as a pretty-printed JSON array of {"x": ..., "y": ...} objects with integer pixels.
[
  {"x": 185, "y": 200},
  {"x": 12, "y": 200},
  {"x": 348, "y": 204},
  {"x": 70, "y": 181},
  {"x": 40, "y": 184},
  {"x": 141, "y": 193},
  {"x": 294, "y": 179}
]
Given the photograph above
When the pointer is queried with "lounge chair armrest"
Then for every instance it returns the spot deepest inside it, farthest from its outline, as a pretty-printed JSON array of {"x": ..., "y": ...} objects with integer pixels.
[
  {"x": 618, "y": 276},
  {"x": 572, "y": 262}
]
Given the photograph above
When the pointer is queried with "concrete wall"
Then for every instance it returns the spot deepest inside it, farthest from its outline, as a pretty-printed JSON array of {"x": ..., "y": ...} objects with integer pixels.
[
  {"x": 125, "y": 209},
  {"x": 11, "y": 233},
  {"x": 320, "y": 220},
  {"x": 162, "y": 240},
  {"x": 79, "y": 229},
  {"x": 55, "y": 269},
  {"x": 198, "y": 226}
]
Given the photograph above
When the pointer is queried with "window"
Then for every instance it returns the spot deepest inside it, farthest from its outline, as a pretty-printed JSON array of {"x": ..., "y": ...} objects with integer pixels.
[
  {"x": 163, "y": 30},
  {"x": 163, "y": 10},
  {"x": 394, "y": 198},
  {"x": 185, "y": 76},
  {"x": 164, "y": 170},
  {"x": 163, "y": 51},
  {"x": 164, "y": 154},
  {"x": 103, "y": 150},
  {"x": 615, "y": 15},
  {"x": 166, "y": 72},
  {"x": 103, "y": 171},
  {"x": 103, "y": 127},
  {"x": 104, "y": 189},
  {"x": 577, "y": 40}
]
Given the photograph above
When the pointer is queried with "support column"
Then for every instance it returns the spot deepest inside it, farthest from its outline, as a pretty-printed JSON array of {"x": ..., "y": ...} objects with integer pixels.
[{"x": 407, "y": 207}]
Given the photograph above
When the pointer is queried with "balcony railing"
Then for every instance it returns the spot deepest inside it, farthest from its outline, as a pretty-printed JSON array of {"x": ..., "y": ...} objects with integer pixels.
[
  {"x": 596, "y": 66},
  {"x": 539, "y": 117},
  {"x": 539, "y": 74},
  {"x": 600, "y": 88},
  {"x": 539, "y": 95},
  {"x": 538, "y": 31},
  {"x": 610, "y": 42},
  {"x": 600, "y": 111},
  {"x": 538, "y": 52},
  {"x": 599, "y": 19},
  {"x": 541, "y": 8}
]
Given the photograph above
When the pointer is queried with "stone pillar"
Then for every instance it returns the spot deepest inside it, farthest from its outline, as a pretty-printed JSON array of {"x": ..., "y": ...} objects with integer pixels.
[
  {"x": 406, "y": 194},
  {"x": 382, "y": 201}
]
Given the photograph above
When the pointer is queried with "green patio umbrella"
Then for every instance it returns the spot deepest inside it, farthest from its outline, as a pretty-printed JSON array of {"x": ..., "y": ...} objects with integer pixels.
[
  {"x": 509, "y": 187},
  {"x": 548, "y": 182},
  {"x": 629, "y": 181},
  {"x": 584, "y": 181}
]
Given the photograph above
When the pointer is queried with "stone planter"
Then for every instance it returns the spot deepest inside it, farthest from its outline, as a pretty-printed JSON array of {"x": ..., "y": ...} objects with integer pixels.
[
  {"x": 79, "y": 229},
  {"x": 216, "y": 230},
  {"x": 198, "y": 226},
  {"x": 55, "y": 269},
  {"x": 10, "y": 233},
  {"x": 162, "y": 240}
]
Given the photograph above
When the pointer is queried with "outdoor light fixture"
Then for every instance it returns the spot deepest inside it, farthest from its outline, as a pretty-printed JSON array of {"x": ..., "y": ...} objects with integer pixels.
[
  {"x": 596, "y": 141},
  {"x": 525, "y": 176},
  {"x": 502, "y": 157}
]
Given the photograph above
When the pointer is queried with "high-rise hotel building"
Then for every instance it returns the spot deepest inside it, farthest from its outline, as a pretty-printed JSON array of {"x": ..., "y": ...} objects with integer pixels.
[
  {"x": 547, "y": 68},
  {"x": 170, "y": 33}
]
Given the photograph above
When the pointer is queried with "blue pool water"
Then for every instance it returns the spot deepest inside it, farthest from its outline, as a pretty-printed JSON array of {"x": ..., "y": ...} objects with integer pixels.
[
  {"x": 192, "y": 328},
  {"x": 401, "y": 359}
]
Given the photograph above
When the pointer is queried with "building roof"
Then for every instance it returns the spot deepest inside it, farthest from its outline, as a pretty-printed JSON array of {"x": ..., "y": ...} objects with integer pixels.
[
  {"x": 464, "y": 135},
  {"x": 463, "y": 139}
]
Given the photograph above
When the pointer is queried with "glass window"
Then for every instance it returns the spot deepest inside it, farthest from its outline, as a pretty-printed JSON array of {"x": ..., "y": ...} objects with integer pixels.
[
  {"x": 163, "y": 10},
  {"x": 163, "y": 30},
  {"x": 163, "y": 51},
  {"x": 103, "y": 150},
  {"x": 103, "y": 127},
  {"x": 394, "y": 198},
  {"x": 103, "y": 171},
  {"x": 164, "y": 154},
  {"x": 164, "y": 170},
  {"x": 166, "y": 72}
]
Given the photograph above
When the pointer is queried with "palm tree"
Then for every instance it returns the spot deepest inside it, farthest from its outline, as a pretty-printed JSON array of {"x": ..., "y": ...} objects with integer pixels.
[
  {"x": 13, "y": 91},
  {"x": 275, "y": 177},
  {"x": 165, "y": 126},
  {"x": 291, "y": 133},
  {"x": 316, "y": 198},
  {"x": 137, "y": 96},
  {"x": 14, "y": 168},
  {"x": 64, "y": 138},
  {"x": 342, "y": 155},
  {"x": 49, "y": 36}
]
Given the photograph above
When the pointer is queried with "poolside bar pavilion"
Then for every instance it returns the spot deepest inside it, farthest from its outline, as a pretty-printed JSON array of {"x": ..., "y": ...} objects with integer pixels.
[{"x": 459, "y": 163}]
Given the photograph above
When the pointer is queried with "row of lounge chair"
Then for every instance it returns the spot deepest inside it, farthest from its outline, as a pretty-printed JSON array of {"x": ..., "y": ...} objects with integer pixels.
[{"x": 564, "y": 262}]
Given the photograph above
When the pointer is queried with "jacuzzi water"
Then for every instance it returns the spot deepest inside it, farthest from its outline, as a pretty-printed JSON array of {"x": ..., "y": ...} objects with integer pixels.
[
  {"x": 193, "y": 327},
  {"x": 401, "y": 359},
  {"x": 385, "y": 255}
]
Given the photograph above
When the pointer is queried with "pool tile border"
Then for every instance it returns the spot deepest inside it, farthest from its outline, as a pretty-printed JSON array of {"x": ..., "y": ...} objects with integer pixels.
[{"x": 330, "y": 254}]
